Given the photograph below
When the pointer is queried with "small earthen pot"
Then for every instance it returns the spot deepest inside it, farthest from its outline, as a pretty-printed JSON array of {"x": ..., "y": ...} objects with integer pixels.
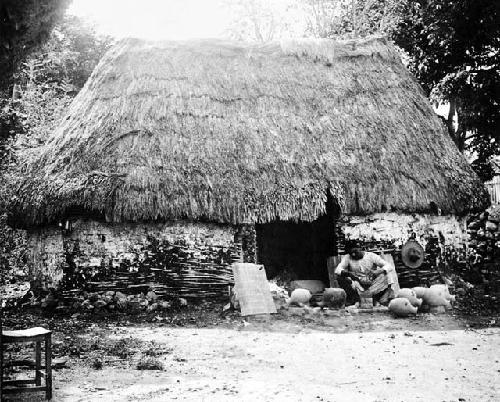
[
  {"x": 410, "y": 295},
  {"x": 436, "y": 297},
  {"x": 401, "y": 307},
  {"x": 300, "y": 297},
  {"x": 334, "y": 297}
]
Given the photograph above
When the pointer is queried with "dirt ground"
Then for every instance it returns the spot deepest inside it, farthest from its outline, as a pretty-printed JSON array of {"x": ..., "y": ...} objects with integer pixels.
[{"x": 215, "y": 357}]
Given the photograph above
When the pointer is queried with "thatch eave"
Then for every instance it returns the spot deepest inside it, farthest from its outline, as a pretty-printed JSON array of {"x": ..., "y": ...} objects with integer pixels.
[{"x": 236, "y": 133}]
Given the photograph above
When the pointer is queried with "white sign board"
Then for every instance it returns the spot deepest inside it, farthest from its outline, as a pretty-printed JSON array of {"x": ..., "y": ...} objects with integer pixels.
[{"x": 252, "y": 289}]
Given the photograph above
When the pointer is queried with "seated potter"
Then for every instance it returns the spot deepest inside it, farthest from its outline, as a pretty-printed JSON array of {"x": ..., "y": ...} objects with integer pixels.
[{"x": 360, "y": 271}]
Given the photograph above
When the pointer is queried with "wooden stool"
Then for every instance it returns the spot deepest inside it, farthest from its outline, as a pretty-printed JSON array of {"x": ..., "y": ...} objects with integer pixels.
[{"x": 37, "y": 335}]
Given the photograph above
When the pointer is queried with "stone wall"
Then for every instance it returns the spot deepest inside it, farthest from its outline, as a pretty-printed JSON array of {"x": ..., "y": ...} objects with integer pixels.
[
  {"x": 190, "y": 259},
  {"x": 482, "y": 269},
  {"x": 444, "y": 239},
  {"x": 398, "y": 228},
  {"x": 484, "y": 249},
  {"x": 174, "y": 258},
  {"x": 47, "y": 257}
]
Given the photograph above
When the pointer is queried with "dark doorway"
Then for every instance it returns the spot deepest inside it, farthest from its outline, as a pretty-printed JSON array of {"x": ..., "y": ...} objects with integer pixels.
[{"x": 300, "y": 248}]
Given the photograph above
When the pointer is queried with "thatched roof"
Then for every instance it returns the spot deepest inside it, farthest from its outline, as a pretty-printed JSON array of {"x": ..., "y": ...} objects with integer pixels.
[{"x": 243, "y": 133}]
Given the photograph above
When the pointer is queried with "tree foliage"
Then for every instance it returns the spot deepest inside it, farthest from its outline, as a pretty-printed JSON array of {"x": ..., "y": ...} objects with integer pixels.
[
  {"x": 14, "y": 251},
  {"x": 24, "y": 26},
  {"x": 454, "y": 49},
  {"x": 53, "y": 75},
  {"x": 44, "y": 85},
  {"x": 261, "y": 20},
  {"x": 351, "y": 18}
]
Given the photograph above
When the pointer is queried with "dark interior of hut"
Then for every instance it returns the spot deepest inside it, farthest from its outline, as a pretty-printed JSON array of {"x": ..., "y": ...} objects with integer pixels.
[{"x": 298, "y": 250}]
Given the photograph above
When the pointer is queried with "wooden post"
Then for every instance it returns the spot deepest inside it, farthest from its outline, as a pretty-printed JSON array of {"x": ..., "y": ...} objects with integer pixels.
[
  {"x": 48, "y": 366},
  {"x": 38, "y": 363},
  {"x": 1, "y": 347},
  {"x": 332, "y": 263}
]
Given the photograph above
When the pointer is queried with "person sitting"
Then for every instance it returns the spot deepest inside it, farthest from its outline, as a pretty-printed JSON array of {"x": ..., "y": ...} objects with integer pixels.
[{"x": 360, "y": 271}]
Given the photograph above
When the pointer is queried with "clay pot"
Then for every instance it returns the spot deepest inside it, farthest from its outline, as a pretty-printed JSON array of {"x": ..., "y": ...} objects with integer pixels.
[
  {"x": 334, "y": 297},
  {"x": 299, "y": 297},
  {"x": 445, "y": 292},
  {"x": 313, "y": 286},
  {"x": 411, "y": 296},
  {"x": 419, "y": 291},
  {"x": 435, "y": 297},
  {"x": 401, "y": 307}
]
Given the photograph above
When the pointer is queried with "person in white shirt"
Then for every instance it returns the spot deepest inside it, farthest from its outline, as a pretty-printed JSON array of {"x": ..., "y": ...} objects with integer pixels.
[{"x": 360, "y": 271}]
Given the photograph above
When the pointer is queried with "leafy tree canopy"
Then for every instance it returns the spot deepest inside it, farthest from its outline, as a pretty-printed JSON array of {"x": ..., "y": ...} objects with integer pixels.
[
  {"x": 454, "y": 49},
  {"x": 24, "y": 25},
  {"x": 44, "y": 85}
]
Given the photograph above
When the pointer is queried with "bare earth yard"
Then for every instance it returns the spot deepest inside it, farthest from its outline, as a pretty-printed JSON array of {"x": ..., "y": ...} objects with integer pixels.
[{"x": 353, "y": 358}]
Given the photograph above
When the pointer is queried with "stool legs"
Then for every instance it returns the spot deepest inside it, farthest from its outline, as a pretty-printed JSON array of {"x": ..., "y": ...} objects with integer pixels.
[
  {"x": 17, "y": 386},
  {"x": 48, "y": 366},
  {"x": 1, "y": 360},
  {"x": 38, "y": 363}
]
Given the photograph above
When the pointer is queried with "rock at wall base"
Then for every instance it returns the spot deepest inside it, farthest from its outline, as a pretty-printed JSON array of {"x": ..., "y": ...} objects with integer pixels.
[
  {"x": 298, "y": 311},
  {"x": 332, "y": 313},
  {"x": 437, "y": 310}
]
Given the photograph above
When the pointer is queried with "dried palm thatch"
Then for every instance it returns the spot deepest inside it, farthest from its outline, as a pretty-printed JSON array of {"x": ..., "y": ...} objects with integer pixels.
[{"x": 243, "y": 133}]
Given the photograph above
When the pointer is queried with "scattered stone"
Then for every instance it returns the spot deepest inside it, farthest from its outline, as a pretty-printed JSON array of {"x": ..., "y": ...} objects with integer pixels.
[
  {"x": 332, "y": 313},
  {"x": 49, "y": 302},
  {"x": 166, "y": 305},
  {"x": 300, "y": 311},
  {"x": 474, "y": 225},
  {"x": 97, "y": 364},
  {"x": 93, "y": 297},
  {"x": 315, "y": 310},
  {"x": 352, "y": 309},
  {"x": 100, "y": 304},
  {"x": 121, "y": 304},
  {"x": 134, "y": 306},
  {"x": 491, "y": 226},
  {"x": 59, "y": 362},
  {"x": 151, "y": 296},
  {"x": 120, "y": 296},
  {"x": 437, "y": 309}
]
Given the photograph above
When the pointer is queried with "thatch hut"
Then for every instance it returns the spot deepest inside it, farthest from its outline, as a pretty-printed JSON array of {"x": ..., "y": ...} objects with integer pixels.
[{"x": 177, "y": 158}]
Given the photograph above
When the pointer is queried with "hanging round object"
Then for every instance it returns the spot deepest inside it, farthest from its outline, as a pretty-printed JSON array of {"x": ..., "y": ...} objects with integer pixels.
[{"x": 412, "y": 254}]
